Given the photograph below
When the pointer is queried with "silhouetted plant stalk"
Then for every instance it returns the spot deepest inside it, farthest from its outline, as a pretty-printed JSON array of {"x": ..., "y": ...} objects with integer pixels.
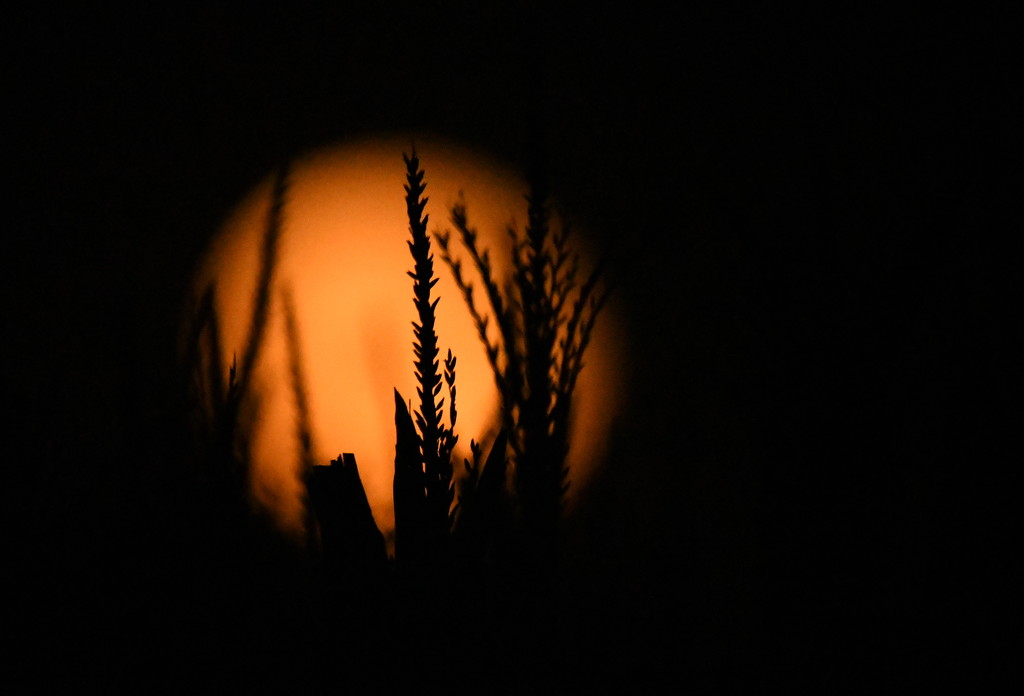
[
  {"x": 545, "y": 317},
  {"x": 227, "y": 406},
  {"x": 423, "y": 476}
]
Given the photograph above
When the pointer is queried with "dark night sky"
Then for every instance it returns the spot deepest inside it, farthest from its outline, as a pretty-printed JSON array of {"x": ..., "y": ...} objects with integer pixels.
[{"x": 821, "y": 375}]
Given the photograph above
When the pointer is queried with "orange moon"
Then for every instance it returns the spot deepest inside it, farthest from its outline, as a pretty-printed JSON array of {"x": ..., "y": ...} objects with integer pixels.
[{"x": 343, "y": 257}]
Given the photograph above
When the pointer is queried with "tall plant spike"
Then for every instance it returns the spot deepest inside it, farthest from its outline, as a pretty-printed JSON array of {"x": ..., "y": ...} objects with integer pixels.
[{"x": 435, "y": 439}]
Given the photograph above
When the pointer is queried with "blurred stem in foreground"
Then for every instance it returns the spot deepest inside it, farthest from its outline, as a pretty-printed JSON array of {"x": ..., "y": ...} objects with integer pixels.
[{"x": 222, "y": 399}]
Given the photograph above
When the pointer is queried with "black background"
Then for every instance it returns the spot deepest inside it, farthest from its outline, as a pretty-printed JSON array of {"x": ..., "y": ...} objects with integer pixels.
[{"x": 809, "y": 487}]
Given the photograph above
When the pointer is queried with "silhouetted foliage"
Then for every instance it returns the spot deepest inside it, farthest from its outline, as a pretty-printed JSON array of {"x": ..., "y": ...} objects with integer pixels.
[
  {"x": 468, "y": 549},
  {"x": 545, "y": 317}
]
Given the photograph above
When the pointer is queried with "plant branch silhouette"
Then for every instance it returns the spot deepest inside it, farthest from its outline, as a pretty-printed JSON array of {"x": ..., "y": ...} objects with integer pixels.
[{"x": 545, "y": 317}]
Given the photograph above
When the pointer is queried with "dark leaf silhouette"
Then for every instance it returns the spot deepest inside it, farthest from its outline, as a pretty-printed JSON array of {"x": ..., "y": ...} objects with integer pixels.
[
  {"x": 352, "y": 546},
  {"x": 409, "y": 491}
]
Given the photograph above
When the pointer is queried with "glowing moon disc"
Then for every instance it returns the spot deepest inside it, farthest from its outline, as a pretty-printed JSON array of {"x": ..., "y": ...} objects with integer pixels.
[{"x": 343, "y": 257}]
